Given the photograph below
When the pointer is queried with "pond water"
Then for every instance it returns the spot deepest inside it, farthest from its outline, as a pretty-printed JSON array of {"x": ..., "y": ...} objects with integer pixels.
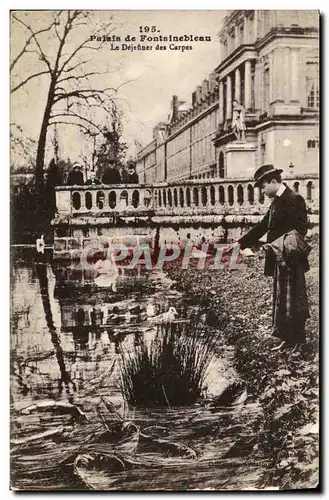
[{"x": 68, "y": 326}]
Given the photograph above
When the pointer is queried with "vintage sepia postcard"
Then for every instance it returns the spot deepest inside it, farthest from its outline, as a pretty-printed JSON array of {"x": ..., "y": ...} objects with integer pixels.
[{"x": 164, "y": 250}]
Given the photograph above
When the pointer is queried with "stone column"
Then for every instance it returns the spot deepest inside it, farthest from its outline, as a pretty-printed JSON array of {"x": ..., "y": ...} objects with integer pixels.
[
  {"x": 271, "y": 89},
  {"x": 286, "y": 74},
  {"x": 221, "y": 102},
  {"x": 236, "y": 37},
  {"x": 245, "y": 30},
  {"x": 295, "y": 76},
  {"x": 255, "y": 25},
  {"x": 228, "y": 98},
  {"x": 247, "y": 85},
  {"x": 237, "y": 95}
]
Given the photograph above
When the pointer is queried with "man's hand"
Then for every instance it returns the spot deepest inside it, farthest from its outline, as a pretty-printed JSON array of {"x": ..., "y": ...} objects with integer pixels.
[{"x": 232, "y": 246}]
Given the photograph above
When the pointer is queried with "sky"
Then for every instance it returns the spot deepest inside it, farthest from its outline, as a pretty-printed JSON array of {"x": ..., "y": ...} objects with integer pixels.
[{"x": 147, "y": 79}]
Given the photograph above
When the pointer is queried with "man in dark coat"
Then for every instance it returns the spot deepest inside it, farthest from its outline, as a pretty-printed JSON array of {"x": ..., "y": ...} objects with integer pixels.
[
  {"x": 132, "y": 175},
  {"x": 287, "y": 212},
  {"x": 111, "y": 174},
  {"x": 75, "y": 177}
]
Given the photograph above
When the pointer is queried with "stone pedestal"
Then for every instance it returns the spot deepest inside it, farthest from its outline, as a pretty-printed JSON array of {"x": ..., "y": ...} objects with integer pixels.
[
  {"x": 240, "y": 159},
  {"x": 280, "y": 108}
]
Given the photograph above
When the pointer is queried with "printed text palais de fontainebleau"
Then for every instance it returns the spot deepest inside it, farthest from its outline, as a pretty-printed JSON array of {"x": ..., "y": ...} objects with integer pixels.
[{"x": 150, "y": 38}]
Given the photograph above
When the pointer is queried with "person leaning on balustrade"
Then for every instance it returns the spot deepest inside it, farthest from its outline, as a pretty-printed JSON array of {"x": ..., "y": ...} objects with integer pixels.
[
  {"x": 132, "y": 177},
  {"x": 92, "y": 181},
  {"x": 286, "y": 254},
  {"x": 111, "y": 174},
  {"x": 75, "y": 177}
]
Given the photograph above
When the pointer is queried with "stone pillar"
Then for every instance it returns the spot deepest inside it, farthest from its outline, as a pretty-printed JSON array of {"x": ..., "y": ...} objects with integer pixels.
[
  {"x": 228, "y": 98},
  {"x": 237, "y": 95},
  {"x": 258, "y": 86},
  {"x": 272, "y": 76},
  {"x": 286, "y": 74},
  {"x": 247, "y": 85},
  {"x": 295, "y": 75},
  {"x": 236, "y": 37},
  {"x": 63, "y": 201},
  {"x": 255, "y": 25},
  {"x": 246, "y": 22},
  {"x": 221, "y": 102}
]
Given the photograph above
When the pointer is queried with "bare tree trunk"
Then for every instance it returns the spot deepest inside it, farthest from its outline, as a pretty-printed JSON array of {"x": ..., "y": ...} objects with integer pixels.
[{"x": 39, "y": 171}]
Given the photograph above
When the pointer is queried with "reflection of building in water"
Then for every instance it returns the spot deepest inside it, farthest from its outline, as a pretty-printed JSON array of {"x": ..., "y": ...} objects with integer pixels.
[
  {"x": 98, "y": 317},
  {"x": 97, "y": 313}
]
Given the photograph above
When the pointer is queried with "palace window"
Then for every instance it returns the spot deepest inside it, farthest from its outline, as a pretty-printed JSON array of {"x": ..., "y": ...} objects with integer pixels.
[
  {"x": 253, "y": 86},
  {"x": 221, "y": 165},
  {"x": 311, "y": 143},
  {"x": 312, "y": 84},
  {"x": 262, "y": 149},
  {"x": 309, "y": 189}
]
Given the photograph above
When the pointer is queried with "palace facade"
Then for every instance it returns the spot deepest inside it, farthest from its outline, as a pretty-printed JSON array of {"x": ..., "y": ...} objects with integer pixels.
[{"x": 270, "y": 65}]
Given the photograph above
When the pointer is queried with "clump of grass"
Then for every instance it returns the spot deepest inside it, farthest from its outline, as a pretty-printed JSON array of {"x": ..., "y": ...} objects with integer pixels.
[{"x": 170, "y": 370}]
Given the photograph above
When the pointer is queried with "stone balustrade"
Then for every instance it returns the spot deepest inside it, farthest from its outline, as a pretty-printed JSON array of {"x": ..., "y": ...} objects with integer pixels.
[
  {"x": 121, "y": 199},
  {"x": 185, "y": 198}
]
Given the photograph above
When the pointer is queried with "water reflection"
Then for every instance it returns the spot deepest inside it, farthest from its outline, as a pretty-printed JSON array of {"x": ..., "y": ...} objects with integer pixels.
[
  {"x": 65, "y": 378},
  {"x": 67, "y": 331},
  {"x": 66, "y": 328}
]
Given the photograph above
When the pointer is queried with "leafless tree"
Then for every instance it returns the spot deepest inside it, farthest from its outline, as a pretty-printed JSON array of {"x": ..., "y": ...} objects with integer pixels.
[{"x": 63, "y": 53}]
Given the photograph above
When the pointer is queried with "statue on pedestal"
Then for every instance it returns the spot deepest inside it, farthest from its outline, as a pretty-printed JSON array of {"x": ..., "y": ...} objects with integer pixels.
[{"x": 238, "y": 121}]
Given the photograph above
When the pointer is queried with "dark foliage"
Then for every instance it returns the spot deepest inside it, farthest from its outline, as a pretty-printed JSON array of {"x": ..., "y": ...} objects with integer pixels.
[{"x": 171, "y": 369}]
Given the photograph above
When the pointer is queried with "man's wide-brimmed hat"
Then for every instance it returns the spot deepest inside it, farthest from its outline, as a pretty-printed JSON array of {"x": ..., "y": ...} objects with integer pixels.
[{"x": 263, "y": 172}]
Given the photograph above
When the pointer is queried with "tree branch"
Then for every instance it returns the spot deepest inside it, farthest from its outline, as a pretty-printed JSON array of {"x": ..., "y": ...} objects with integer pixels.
[
  {"x": 70, "y": 123},
  {"x": 42, "y": 55},
  {"x": 80, "y": 93},
  {"x": 84, "y": 45},
  {"x": 24, "y": 49},
  {"x": 72, "y": 114},
  {"x": 19, "y": 85},
  {"x": 86, "y": 75}
]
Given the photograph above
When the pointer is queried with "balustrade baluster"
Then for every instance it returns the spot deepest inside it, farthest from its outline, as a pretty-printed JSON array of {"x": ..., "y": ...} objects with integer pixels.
[
  {"x": 82, "y": 201},
  {"x": 141, "y": 197},
  {"x": 208, "y": 204},
  {"x": 129, "y": 200},
  {"x": 216, "y": 187},
  {"x": 94, "y": 200},
  {"x": 106, "y": 199}
]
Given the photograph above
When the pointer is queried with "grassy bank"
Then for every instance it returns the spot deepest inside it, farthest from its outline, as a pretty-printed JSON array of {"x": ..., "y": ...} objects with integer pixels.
[{"x": 285, "y": 382}]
